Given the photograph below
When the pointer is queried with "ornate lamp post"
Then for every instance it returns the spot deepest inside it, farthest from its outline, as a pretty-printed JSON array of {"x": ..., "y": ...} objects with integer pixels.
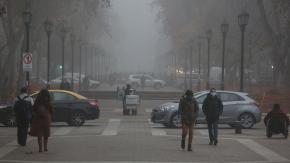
[
  {"x": 243, "y": 19},
  {"x": 27, "y": 16},
  {"x": 63, "y": 32},
  {"x": 48, "y": 27},
  {"x": 224, "y": 29},
  {"x": 72, "y": 39},
  {"x": 208, "y": 36}
]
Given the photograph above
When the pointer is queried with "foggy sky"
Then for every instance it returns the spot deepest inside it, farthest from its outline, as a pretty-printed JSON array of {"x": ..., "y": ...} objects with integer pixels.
[{"x": 137, "y": 39}]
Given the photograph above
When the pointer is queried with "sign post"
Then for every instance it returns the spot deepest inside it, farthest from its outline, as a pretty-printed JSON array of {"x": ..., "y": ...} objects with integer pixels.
[{"x": 27, "y": 62}]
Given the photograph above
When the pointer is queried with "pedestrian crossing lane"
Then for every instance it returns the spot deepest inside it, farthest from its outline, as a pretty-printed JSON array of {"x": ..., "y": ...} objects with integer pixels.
[{"x": 112, "y": 127}]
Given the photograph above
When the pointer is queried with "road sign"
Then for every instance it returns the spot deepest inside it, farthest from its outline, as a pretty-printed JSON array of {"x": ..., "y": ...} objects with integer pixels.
[{"x": 27, "y": 62}]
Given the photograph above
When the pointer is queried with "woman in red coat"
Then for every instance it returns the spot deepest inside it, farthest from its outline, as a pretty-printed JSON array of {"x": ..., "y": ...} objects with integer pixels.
[{"x": 42, "y": 112}]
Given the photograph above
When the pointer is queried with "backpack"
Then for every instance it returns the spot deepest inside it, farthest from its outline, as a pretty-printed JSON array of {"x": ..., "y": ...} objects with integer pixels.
[{"x": 23, "y": 109}]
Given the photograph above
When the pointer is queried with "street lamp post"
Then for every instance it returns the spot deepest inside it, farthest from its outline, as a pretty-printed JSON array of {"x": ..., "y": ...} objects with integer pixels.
[
  {"x": 80, "y": 64},
  {"x": 27, "y": 16},
  {"x": 199, "y": 64},
  {"x": 48, "y": 26},
  {"x": 243, "y": 19},
  {"x": 191, "y": 66},
  {"x": 208, "y": 36},
  {"x": 224, "y": 29},
  {"x": 63, "y": 32},
  {"x": 72, "y": 39}
]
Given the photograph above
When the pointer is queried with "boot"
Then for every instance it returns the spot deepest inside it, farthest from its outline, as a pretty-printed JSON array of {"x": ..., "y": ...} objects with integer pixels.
[
  {"x": 182, "y": 143},
  {"x": 189, "y": 147}
]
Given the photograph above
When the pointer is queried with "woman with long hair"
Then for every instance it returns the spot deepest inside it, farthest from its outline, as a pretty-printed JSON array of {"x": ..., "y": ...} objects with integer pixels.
[{"x": 41, "y": 119}]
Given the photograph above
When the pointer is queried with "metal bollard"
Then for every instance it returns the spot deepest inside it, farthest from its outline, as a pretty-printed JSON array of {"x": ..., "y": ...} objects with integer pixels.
[{"x": 238, "y": 127}]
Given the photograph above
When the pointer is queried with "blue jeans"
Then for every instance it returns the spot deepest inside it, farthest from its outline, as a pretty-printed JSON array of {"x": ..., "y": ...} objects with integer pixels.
[{"x": 213, "y": 130}]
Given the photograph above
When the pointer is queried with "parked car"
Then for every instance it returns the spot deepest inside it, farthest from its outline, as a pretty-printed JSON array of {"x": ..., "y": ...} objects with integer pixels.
[
  {"x": 238, "y": 106},
  {"x": 135, "y": 81},
  {"x": 69, "y": 107},
  {"x": 7, "y": 116}
]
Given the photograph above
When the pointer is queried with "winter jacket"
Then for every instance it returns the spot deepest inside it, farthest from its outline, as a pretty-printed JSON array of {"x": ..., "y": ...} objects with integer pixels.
[
  {"x": 212, "y": 108},
  {"x": 276, "y": 114},
  {"x": 188, "y": 109}
]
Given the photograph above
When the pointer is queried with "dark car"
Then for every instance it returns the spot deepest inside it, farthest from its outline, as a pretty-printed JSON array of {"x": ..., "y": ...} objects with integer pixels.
[
  {"x": 68, "y": 107},
  {"x": 7, "y": 116}
]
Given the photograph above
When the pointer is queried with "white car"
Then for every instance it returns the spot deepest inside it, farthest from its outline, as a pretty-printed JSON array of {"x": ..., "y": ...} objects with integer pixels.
[
  {"x": 92, "y": 83},
  {"x": 135, "y": 81}
]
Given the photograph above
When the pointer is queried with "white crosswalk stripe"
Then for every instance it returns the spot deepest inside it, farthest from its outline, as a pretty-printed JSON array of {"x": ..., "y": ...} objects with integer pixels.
[
  {"x": 62, "y": 131},
  {"x": 263, "y": 151},
  {"x": 156, "y": 131},
  {"x": 148, "y": 110},
  {"x": 112, "y": 127}
]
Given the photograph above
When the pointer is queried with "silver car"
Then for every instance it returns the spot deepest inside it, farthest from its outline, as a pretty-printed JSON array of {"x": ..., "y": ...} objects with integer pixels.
[{"x": 238, "y": 106}]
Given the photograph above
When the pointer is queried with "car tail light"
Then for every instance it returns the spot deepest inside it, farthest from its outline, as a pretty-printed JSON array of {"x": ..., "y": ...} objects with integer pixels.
[{"x": 94, "y": 103}]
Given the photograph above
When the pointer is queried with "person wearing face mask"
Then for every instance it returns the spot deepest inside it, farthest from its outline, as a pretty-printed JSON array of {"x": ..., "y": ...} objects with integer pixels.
[
  {"x": 188, "y": 109},
  {"x": 212, "y": 108}
]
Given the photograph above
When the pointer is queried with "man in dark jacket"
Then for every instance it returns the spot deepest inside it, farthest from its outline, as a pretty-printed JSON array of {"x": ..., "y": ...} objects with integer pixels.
[
  {"x": 212, "y": 109},
  {"x": 23, "y": 112},
  {"x": 188, "y": 109},
  {"x": 276, "y": 121}
]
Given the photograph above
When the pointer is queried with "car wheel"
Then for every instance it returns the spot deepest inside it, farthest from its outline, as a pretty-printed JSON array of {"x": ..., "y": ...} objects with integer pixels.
[
  {"x": 175, "y": 121},
  {"x": 77, "y": 119},
  {"x": 157, "y": 86},
  {"x": 10, "y": 121},
  {"x": 247, "y": 120}
]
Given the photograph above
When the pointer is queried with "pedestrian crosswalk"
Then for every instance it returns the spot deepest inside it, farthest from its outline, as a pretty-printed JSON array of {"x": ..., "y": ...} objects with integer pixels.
[{"x": 112, "y": 127}]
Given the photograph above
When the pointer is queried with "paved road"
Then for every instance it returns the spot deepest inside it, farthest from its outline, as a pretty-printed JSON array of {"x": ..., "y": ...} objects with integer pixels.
[{"x": 117, "y": 138}]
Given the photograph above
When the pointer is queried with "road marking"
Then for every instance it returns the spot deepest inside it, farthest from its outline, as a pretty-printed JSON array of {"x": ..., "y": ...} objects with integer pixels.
[
  {"x": 150, "y": 122},
  {"x": 148, "y": 110},
  {"x": 63, "y": 131},
  {"x": 9, "y": 147},
  {"x": 158, "y": 132},
  {"x": 112, "y": 127},
  {"x": 203, "y": 132},
  {"x": 155, "y": 131},
  {"x": 261, "y": 150},
  {"x": 119, "y": 110}
]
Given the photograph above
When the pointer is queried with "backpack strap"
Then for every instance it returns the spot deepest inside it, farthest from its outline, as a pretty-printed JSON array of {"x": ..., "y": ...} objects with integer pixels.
[
  {"x": 19, "y": 98},
  {"x": 25, "y": 97}
]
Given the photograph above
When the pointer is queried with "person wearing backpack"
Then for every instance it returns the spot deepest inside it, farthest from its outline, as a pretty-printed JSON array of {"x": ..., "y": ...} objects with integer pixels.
[
  {"x": 23, "y": 112},
  {"x": 188, "y": 109}
]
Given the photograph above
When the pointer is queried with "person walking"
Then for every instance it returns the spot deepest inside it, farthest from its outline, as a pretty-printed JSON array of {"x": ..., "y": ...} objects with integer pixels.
[
  {"x": 212, "y": 108},
  {"x": 23, "y": 112},
  {"x": 188, "y": 109},
  {"x": 42, "y": 112},
  {"x": 126, "y": 92}
]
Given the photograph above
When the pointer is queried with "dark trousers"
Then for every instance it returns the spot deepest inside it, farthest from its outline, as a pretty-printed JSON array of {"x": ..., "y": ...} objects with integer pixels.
[
  {"x": 22, "y": 131},
  {"x": 212, "y": 130}
]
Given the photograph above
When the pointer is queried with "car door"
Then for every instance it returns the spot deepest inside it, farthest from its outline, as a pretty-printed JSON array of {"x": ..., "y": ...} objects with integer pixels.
[
  {"x": 200, "y": 99},
  {"x": 62, "y": 102},
  {"x": 230, "y": 102},
  {"x": 149, "y": 82}
]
